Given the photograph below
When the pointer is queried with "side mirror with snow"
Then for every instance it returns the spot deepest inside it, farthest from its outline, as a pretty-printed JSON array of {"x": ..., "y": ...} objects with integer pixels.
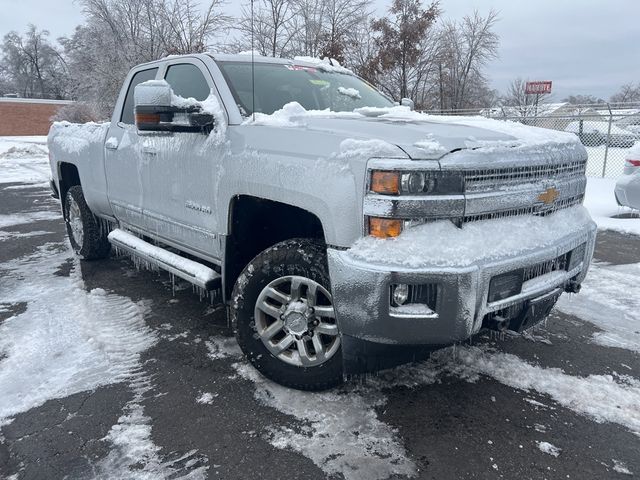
[
  {"x": 407, "y": 102},
  {"x": 157, "y": 109}
]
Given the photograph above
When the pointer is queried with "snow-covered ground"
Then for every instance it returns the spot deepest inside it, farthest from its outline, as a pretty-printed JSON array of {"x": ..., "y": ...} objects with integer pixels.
[
  {"x": 93, "y": 338},
  {"x": 24, "y": 160}
]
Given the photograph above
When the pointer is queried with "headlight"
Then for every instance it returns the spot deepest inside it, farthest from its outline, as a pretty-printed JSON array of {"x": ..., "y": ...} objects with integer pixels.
[
  {"x": 417, "y": 183},
  {"x": 412, "y": 182}
]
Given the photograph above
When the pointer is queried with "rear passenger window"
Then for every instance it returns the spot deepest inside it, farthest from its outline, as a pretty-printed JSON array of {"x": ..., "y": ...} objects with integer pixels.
[
  {"x": 127, "y": 110},
  {"x": 187, "y": 80}
]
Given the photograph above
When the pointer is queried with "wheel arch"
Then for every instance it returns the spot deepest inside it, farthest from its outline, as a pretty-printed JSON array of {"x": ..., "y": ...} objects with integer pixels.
[
  {"x": 255, "y": 224},
  {"x": 68, "y": 176}
]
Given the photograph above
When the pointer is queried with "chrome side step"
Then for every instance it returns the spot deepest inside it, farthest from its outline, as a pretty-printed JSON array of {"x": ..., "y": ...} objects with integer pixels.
[{"x": 193, "y": 272}]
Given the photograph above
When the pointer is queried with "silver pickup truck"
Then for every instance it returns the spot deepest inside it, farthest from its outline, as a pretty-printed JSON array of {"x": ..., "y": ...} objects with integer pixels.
[{"x": 346, "y": 233}]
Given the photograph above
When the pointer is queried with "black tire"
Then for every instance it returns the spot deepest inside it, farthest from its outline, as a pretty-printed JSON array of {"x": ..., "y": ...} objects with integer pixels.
[
  {"x": 297, "y": 257},
  {"x": 94, "y": 244}
]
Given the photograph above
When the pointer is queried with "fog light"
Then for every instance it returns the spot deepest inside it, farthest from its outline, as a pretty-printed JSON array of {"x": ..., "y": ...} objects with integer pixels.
[{"x": 400, "y": 294}]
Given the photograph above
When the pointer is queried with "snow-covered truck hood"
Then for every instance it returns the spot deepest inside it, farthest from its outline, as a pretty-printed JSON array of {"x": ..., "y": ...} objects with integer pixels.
[{"x": 419, "y": 136}]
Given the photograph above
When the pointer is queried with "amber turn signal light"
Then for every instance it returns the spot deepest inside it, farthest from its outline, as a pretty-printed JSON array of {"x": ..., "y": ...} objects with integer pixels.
[
  {"x": 387, "y": 183},
  {"x": 147, "y": 118},
  {"x": 384, "y": 227}
]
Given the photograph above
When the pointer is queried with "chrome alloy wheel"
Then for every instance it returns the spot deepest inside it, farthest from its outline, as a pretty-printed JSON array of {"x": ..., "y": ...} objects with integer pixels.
[
  {"x": 75, "y": 222},
  {"x": 296, "y": 321}
]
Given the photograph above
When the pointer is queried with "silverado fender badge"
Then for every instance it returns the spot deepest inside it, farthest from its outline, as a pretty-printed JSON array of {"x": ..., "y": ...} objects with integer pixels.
[{"x": 549, "y": 196}]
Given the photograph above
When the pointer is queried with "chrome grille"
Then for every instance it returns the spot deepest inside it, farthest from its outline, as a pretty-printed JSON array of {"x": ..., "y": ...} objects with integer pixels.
[
  {"x": 503, "y": 178},
  {"x": 537, "y": 209}
]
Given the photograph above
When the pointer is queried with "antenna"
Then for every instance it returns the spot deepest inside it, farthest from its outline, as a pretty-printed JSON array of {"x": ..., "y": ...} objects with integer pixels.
[{"x": 253, "y": 71}]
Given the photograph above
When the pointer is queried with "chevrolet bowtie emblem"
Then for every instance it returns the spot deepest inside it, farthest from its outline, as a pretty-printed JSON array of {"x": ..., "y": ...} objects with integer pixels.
[{"x": 549, "y": 196}]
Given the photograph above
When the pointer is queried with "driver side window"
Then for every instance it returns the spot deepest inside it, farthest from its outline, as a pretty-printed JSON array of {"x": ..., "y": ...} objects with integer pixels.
[{"x": 187, "y": 81}]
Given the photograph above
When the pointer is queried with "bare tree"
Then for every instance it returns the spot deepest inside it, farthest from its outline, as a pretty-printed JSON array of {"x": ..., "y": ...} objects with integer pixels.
[
  {"x": 340, "y": 18},
  {"x": 270, "y": 27},
  {"x": 467, "y": 47},
  {"x": 308, "y": 25},
  {"x": 119, "y": 34},
  {"x": 401, "y": 38},
  {"x": 33, "y": 65},
  {"x": 627, "y": 93},
  {"x": 519, "y": 102},
  {"x": 187, "y": 29}
]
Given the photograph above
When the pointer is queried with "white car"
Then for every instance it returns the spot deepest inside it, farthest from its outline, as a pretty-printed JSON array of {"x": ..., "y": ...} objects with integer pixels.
[{"x": 627, "y": 189}]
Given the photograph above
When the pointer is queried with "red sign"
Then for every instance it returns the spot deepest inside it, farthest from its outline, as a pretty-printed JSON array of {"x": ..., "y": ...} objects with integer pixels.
[{"x": 537, "y": 88}]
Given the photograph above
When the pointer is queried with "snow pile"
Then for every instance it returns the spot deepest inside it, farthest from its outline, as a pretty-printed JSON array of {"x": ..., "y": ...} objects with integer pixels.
[
  {"x": 205, "y": 398},
  {"x": 620, "y": 467},
  {"x": 443, "y": 244},
  {"x": 349, "y": 92},
  {"x": 223, "y": 347},
  {"x": 153, "y": 92},
  {"x": 610, "y": 299},
  {"x": 293, "y": 114},
  {"x": 601, "y": 203},
  {"x": 72, "y": 138},
  {"x": 430, "y": 146},
  {"x": 24, "y": 160},
  {"x": 549, "y": 449},
  {"x": 324, "y": 64},
  {"x": 342, "y": 435},
  {"x": 24, "y": 151},
  {"x": 285, "y": 117},
  {"x": 351, "y": 147}
]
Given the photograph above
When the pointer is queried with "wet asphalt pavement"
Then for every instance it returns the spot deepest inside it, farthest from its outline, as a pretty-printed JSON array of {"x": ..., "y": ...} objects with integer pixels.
[{"x": 451, "y": 428}]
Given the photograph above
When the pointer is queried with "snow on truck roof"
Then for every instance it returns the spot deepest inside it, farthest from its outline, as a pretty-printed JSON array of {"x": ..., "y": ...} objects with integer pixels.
[{"x": 324, "y": 64}]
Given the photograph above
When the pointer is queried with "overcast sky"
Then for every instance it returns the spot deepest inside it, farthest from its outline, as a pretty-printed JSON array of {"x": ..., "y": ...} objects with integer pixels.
[{"x": 583, "y": 46}]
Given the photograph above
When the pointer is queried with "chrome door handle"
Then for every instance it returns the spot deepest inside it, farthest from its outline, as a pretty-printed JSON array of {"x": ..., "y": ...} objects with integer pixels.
[
  {"x": 149, "y": 150},
  {"x": 111, "y": 144}
]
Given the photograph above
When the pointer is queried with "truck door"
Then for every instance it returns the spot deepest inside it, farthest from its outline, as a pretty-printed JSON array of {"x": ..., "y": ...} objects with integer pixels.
[
  {"x": 180, "y": 179},
  {"x": 124, "y": 156}
]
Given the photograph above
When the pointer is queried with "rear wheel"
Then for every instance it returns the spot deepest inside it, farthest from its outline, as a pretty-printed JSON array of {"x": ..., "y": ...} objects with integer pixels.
[
  {"x": 284, "y": 317},
  {"x": 87, "y": 236}
]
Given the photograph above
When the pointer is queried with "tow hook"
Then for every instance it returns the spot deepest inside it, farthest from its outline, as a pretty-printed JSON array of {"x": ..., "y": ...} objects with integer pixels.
[
  {"x": 573, "y": 287},
  {"x": 498, "y": 323}
]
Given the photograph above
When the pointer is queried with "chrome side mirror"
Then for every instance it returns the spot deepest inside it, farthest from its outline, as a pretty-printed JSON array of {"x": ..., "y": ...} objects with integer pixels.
[{"x": 155, "y": 111}]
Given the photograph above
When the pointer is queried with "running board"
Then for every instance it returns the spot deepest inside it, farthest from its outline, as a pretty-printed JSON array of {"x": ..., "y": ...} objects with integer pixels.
[{"x": 193, "y": 272}]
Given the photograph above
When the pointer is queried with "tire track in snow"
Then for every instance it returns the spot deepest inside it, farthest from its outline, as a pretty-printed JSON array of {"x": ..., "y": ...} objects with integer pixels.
[{"x": 69, "y": 340}]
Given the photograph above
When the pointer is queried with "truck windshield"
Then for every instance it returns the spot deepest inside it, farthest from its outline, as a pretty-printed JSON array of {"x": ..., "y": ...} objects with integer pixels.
[{"x": 313, "y": 88}]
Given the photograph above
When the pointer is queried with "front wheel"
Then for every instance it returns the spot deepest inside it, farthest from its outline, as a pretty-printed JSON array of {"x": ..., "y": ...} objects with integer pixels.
[
  {"x": 86, "y": 234},
  {"x": 284, "y": 317}
]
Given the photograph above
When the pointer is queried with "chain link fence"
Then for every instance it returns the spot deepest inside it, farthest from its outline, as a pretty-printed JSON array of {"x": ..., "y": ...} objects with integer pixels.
[{"x": 606, "y": 130}]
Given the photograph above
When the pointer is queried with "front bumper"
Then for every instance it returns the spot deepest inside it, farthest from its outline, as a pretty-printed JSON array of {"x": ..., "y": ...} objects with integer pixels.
[{"x": 361, "y": 293}]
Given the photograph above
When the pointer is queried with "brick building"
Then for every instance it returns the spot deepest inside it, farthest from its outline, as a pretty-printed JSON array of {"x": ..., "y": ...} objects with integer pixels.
[{"x": 27, "y": 116}]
